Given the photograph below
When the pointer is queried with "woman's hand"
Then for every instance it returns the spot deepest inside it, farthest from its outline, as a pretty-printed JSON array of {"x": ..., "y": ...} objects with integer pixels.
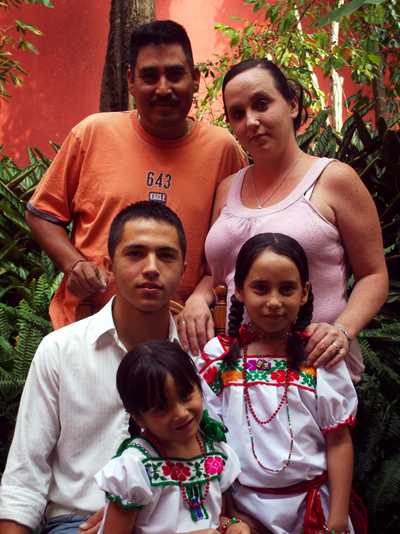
[
  {"x": 322, "y": 347},
  {"x": 195, "y": 324}
]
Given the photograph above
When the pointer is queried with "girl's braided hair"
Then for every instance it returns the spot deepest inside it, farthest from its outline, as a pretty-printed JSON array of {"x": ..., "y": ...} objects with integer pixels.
[{"x": 290, "y": 248}]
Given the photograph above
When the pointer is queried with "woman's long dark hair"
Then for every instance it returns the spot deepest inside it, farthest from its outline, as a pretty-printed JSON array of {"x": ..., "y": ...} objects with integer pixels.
[
  {"x": 285, "y": 246},
  {"x": 286, "y": 86},
  {"x": 142, "y": 373}
]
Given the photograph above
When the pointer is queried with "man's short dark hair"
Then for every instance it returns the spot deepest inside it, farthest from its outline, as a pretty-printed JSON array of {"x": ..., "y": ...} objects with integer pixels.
[
  {"x": 159, "y": 32},
  {"x": 145, "y": 209}
]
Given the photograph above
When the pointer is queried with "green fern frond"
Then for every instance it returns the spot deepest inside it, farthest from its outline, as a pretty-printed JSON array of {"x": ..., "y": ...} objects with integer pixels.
[
  {"x": 385, "y": 487},
  {"x": 41, "y": 296},
  {"x": 9, "y": 387}
]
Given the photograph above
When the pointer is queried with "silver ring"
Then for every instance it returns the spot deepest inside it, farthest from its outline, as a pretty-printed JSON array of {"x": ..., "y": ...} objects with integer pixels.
[
  {"x": 181, "y": 322},
  {"x": 337, "y": 346}
]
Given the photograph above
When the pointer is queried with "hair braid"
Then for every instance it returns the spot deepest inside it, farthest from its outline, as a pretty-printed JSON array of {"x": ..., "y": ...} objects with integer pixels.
[
  {"x": 134, "y": 429},
  {"x": 235, "y": 319},
  {"x": 295, "y": 346}
]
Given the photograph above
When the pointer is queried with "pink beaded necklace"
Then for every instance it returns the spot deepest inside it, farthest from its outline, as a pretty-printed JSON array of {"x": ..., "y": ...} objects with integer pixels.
[
  {"x": 248, "y": 405},
  {"x": 171, "y": 465}
]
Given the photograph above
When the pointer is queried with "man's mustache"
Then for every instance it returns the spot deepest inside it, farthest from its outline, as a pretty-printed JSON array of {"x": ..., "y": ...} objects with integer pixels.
[{"x": 169, "y": 100}]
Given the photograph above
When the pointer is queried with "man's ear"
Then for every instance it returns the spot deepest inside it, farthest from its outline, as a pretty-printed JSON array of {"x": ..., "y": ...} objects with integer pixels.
[
  {"x": 109, "y": 268},
  {"x": 184, "y": 267},
  {"x": 131, "y": 85},
  {"x": 196, "y": 79},
  {"x": 239, "y": 294}
]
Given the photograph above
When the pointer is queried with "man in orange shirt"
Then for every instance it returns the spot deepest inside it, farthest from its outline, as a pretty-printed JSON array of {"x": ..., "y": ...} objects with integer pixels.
[{"x": 111, "y": 159}]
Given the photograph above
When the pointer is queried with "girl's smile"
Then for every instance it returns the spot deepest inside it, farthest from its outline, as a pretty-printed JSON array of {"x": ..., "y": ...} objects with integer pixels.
[
  {"x": 272, "y": 293},
  {"x": 175, "y": 420}
]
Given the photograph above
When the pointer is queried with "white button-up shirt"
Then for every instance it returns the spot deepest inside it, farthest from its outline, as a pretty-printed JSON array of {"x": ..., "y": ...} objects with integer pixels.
[{"x": 70, "y": 422}]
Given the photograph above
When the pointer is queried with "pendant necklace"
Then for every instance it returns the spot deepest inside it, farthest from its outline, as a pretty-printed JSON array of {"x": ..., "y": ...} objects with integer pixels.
[
  {"x": 275, "y": 190},
  {"x": 171, "y": 465},
  {"x": 249, "y": 408},
  {"x": 261, "y": 363}
]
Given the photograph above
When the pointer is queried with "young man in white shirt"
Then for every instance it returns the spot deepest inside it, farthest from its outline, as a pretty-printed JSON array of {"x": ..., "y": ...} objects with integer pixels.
[{"x": 71, "y": 419}]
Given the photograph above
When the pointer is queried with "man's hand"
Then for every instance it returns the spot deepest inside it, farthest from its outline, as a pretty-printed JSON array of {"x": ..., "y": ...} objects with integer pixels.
[
  {"x": 92, "y": 525},
  {"x": 85, "y": 279}
]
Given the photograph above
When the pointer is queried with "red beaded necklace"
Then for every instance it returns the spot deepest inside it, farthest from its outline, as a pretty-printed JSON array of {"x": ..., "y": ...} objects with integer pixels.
[
  {"x": 171, "y": 465},
  {"x": 248, "y": 404}
]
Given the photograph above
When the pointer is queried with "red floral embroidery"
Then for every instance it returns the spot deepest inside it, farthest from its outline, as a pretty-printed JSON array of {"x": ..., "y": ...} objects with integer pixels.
[
  {"x": 280, "y": 376},
  {"x": 294, "y": 375},
  {"x": 210, "y": 375},
  {"x": 214, "y": 466},
  {"x": 177, "y": 471}
]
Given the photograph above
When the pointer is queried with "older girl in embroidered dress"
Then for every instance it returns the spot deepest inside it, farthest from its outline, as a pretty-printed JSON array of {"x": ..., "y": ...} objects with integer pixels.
[
  {"x": 289, "y": 424},
  {"x": 170, "y": 477}
]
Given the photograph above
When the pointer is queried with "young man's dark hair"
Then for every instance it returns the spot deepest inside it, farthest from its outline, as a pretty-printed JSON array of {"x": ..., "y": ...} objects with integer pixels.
[
  {"x": 159, "y": 32},
  {"x": 145, "y": 209}
]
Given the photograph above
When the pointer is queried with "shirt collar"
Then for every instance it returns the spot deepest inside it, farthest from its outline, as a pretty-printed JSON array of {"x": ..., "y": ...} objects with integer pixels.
[{"x": 103, "y": 322}]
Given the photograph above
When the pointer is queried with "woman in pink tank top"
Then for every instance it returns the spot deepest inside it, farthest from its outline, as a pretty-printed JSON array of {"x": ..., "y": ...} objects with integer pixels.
[{"x": 320, "y": 202}]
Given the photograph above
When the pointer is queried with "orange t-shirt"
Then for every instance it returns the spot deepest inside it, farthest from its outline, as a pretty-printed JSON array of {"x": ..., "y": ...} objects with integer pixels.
[{"x": 107, "y": 162}]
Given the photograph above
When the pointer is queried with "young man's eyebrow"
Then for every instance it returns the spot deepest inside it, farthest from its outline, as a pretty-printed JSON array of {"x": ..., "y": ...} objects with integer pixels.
[{"x": 135, "y": 246}]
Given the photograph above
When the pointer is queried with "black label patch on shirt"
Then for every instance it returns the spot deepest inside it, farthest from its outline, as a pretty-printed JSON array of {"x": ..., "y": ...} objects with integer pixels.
[{"x": 160, "y": 197}]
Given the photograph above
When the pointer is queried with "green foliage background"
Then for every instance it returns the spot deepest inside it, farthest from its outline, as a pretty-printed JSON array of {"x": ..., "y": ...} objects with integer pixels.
[{"x": 13, "y": 37}]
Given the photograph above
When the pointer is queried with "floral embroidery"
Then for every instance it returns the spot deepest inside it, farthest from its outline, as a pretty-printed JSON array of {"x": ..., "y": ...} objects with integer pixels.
[
  {"x": 210, "y": 375},
  {"x": 294, "y": 375},
  {"x": 222, "y": 374},
  {"x": 252, "y": 365},
  {"x": 308, "y": 370},
  {"x": 189, "y": 471},
  {"x": 178, "y": 471},
  {"x": 214, "y": 465},
  {"x": 231, "y": 376},
  {"x": 279, "y": 376}
]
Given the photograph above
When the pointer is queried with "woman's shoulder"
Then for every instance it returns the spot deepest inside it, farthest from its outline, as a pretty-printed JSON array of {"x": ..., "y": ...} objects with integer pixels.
[
  {"x": 221, "y": 196},
  {"x": 338, "y": 174},
  {"x": 223, "y": 190}
]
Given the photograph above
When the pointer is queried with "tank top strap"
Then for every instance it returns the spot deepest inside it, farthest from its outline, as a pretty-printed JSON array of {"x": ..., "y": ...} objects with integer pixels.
[
  {"x": 235, "y": 192},
  {"x": 312, "y": 176}
]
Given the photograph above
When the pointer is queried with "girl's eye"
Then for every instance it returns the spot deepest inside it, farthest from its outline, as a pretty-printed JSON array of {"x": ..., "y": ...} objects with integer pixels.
[
  {"x": 287, "y": 289},
  {"x": 186, "y": 394},
  {"x": 160, "y": 408},
  {"x": 260, "y": 287}
]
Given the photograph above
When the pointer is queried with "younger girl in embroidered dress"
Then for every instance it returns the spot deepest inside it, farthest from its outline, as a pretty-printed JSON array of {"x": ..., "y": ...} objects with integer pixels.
[
  {"x": 170, "y": 477},
  {"x": 288, "y": 424}
]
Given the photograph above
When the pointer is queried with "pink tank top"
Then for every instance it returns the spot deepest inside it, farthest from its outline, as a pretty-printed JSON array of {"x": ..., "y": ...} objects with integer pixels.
[{"x": 296, "y": 217}]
